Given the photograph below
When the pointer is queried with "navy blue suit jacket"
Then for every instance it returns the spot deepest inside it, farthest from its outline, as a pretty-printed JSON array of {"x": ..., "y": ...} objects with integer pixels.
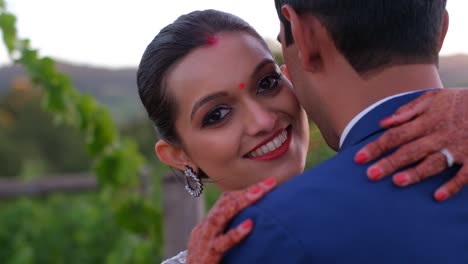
[{"x": 334, "y": 214}]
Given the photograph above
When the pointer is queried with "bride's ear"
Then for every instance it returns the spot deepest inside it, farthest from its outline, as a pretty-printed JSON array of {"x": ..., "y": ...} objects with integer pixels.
[
  {"x": 171, "y": 155},
  {"x": 285, "y": 71}
]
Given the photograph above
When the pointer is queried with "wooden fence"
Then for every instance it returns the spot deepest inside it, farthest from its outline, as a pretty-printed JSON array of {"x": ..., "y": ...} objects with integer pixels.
[
  {"x": 67, "y": 183},
  {"x": 181, "y": 211}
]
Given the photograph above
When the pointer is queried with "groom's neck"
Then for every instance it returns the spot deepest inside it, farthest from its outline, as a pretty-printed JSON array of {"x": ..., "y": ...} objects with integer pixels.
[{"x": 353, "y": 95}]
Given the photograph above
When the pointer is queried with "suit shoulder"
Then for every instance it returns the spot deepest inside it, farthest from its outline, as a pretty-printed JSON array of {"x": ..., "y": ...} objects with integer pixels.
[{"x": 271, "y": 241}]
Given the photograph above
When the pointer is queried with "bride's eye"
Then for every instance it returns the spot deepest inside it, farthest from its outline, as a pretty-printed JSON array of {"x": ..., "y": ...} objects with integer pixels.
[
  {"x": 215, "y": 116},
  {"x": 268, "y": 83}
]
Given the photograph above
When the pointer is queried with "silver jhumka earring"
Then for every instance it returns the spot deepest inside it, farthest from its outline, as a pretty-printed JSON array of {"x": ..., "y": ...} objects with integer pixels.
[{"x": 192, "y": 179}]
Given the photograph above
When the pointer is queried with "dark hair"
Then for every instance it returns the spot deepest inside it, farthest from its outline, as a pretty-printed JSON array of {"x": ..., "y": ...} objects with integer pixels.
[
  {"x": 375, "y": 33},
  {"x": 172, "y": 44}
]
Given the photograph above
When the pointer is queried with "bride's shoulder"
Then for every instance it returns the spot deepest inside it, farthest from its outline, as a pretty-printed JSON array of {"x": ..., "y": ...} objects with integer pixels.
[{"x": 180, "y": 258}]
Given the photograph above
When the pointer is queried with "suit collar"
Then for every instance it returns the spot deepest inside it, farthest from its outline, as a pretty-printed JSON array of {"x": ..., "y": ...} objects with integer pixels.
[
  {"x": 364, "y": 112},
  {"x": 368, "y": 125}
]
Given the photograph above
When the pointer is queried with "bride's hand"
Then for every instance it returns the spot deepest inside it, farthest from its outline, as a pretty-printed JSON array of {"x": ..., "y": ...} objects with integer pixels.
[
  {"x": 435, "y": 121},
  {"x": 208, "y": 242}
]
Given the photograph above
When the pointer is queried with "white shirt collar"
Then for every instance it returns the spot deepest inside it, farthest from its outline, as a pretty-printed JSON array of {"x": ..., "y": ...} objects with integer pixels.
[{"x": 364, "y": 112}]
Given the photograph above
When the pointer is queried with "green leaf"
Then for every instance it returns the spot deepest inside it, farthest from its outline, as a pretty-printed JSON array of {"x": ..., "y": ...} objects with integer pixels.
[
  {"x": 120, "y": 166},
  {"x": 86, "y": 107},
  {"x": 29, "y": 59},
  {"x": 54, "y": 99},
  {"x": 137, "y": 215},
  {"x": 7, "y": 24},
  {"x": 102, "y": 133},
  {"x": 107, "y": 168},
  {"x": 47, "y": 70}
]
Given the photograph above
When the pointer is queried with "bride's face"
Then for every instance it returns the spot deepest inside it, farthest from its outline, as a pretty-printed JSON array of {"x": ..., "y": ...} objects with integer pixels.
[{"x": 237, "y": 117}]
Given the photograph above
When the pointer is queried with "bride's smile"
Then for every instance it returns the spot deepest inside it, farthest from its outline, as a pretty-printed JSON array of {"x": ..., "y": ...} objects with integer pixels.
[
  {"x": 237, "y": 137},
  {"x": 273, "y": 147}
]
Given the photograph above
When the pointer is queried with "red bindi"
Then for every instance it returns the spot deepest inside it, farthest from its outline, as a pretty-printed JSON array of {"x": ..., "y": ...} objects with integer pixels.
[
  {"x": 241, "y": 85},
  {"x": 211, "y": 40}
]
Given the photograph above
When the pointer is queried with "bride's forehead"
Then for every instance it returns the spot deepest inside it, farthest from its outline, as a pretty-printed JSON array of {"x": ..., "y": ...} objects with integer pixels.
[
  {"x": 226, "y": 64},
  {"x": 232, "y": 42},
  {"x": 226, "y": 55}
]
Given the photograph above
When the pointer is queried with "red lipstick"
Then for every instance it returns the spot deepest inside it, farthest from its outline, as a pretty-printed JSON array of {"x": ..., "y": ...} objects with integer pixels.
[{"x": 277, "y": 152}]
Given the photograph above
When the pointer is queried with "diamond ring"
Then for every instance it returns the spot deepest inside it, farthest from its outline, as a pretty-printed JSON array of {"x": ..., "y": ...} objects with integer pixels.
[{"x": 448, "y": 157}]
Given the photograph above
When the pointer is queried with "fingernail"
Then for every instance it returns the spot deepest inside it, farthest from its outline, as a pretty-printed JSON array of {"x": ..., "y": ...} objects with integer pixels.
[
  {"x": 374, "y": 173},
  {"x": 441, "y": 196},
  {"x": 269, "y": 182},
  {"x": 401, "y": 179},
  {"x": 255, "y": 190},
  {"x": 386, "y": 120},
  {"x": 361, "y": 157},
  {"x": 247, "y": 224}
]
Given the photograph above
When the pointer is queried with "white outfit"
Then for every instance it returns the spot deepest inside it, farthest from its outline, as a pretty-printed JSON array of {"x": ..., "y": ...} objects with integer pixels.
[{"x": 180, "y": 258}]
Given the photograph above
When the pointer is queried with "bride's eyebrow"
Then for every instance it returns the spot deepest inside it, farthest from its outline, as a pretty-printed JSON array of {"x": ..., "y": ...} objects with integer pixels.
[
  {"x": 213, "y": 96},
  {"x": 205, "y": 100},
  {"x": 261, "y": 65}
]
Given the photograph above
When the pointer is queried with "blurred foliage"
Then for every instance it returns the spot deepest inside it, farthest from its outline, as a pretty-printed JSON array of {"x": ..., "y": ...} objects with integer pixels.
[
  {"x": 71, "y": 229},
  {"x": 44, "y": 232},
  {"x": 30, "y": 142},
  {"x": 108, "y": 151}
]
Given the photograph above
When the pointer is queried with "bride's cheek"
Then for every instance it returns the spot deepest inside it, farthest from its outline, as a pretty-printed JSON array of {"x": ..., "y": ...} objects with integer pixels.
[{"x": 217, "y": 151}]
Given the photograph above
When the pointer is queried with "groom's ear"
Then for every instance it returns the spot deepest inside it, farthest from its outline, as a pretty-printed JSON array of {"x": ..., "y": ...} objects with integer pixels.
[
  {"x": 304, "y": 32},
  {"x": 443, "y": 33},
  {"x": 171, "y": 155}
]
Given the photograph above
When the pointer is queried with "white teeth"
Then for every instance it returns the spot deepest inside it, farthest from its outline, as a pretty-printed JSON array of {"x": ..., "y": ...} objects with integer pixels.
[
  {"x": 283, "y": 138},
  {"x": 257, "y": 152},
  {"x": 277, "y": 142},
  {"x": 271, "y": 145}
]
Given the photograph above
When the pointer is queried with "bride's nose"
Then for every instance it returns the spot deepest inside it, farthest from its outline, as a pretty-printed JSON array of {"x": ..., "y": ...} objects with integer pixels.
[{"x": 259, "y": 119}]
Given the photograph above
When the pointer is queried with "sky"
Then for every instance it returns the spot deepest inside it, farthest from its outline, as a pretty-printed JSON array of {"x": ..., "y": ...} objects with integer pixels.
[{"x": 114, "y": 33}]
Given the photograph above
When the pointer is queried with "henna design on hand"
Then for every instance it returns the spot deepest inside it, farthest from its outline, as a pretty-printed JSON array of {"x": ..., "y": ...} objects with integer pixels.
[
  {"x": 421, "y": 129},
  {"x": 208, "y": 243}
]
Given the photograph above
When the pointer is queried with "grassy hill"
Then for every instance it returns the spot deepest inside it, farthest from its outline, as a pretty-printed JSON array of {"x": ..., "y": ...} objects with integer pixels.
[{"x": 117, "y": 87}]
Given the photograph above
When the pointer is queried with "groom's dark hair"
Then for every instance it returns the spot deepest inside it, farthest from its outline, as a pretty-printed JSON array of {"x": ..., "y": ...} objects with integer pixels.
[{"x": 375, "y": 33}]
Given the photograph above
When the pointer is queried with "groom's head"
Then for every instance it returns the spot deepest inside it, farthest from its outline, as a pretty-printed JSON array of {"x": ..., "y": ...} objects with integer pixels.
[
  {"x": 330, "y": 43},
  {"x": 373, "y": 33}
]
